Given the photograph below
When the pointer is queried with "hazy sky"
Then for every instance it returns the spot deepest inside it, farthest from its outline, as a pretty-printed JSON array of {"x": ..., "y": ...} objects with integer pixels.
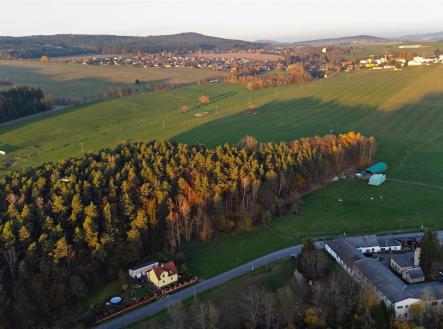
[{"x": 284, "y": 20}]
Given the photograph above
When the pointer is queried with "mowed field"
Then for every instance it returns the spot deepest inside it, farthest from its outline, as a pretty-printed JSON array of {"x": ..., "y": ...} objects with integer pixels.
[
  {"x": 75, "y": 81},
  {"x": 402, "y": 109}
]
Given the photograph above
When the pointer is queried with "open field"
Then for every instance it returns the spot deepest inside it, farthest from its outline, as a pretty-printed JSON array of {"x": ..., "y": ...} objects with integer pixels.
[
  {"x": 60, "y": 80},
  {"x": 380, "y": 49},
  {"x": 240, "y": 54},
  {"x": 403, "y": 109}
]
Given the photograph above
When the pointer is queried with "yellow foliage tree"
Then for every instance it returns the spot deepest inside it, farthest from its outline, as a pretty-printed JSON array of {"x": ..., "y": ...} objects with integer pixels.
[{"x": 203, "y": 99}]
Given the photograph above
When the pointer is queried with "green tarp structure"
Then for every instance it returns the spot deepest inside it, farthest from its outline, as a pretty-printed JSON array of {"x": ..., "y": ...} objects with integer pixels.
[
  {"x": 377, "y": 179},
  {"x": 377, "y": 168}
]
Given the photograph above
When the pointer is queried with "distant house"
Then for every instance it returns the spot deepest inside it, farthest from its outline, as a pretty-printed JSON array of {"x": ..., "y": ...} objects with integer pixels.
[
  {"x": 138, "y": 271},
  {"x": 163, "y": 275}
]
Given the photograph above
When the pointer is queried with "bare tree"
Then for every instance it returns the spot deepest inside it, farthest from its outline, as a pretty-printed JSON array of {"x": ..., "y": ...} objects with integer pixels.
[
  {"x": 268, "y": 309},
  {"x": 175, "y": 312},
  {"x": 11, "y": 258},
  {"x": 199, "y": 315},
  {"x": 252, "y": 301},
  {"x": 213, "y": 316}
]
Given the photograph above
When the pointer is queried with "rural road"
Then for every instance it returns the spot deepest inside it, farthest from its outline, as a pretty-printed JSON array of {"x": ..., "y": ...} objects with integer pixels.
[{"x": 150, "y": 309}]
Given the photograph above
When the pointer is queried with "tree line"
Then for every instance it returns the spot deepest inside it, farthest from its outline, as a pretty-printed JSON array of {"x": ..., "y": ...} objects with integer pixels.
[
  {"x": 21, "y": 101},
  {"x": 69, "y": 225},
  {"x": 294, "y": 74}
]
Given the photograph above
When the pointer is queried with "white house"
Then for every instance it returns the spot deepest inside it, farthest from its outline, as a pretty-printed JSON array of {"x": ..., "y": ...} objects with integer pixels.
[{"x": 138, "y": 271}]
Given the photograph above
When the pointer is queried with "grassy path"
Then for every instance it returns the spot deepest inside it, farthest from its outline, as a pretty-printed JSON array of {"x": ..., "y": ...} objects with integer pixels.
[{"x": 416, "y": 183}]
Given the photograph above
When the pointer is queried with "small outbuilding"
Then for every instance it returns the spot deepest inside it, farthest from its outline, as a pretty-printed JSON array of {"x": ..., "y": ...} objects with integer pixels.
[
  {"x": 138, "y": 271},
  {"x": 377, "y": 168},
  {"x": 414, "y": 275},
  {"x": 377, "y": 179}
]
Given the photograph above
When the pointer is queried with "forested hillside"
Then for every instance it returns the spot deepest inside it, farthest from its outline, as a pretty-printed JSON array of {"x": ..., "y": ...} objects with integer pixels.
[
  {"x": 21, "y": 101},
  {"x": 69, "y": 225},
  {"x": 74, "y": 44}
]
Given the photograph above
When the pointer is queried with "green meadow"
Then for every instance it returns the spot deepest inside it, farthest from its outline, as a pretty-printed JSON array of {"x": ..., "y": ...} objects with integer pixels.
[
  {"x": 76, "y": 81},
  {"x": 402, "y": 109}
]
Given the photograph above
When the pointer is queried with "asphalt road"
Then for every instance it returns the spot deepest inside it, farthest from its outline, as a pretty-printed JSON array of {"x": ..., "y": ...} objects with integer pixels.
[
  {"x": 200, "y": 287},
  {"x": 164, "y": 302}
]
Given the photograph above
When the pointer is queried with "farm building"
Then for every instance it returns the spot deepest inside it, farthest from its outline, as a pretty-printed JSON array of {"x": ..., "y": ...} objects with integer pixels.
[
  {"x": 377, "y": 179},
  {"x": 401, "y": 291},
  {"x": 138, "y": 271},
  {"x": 377, "y": 168}
]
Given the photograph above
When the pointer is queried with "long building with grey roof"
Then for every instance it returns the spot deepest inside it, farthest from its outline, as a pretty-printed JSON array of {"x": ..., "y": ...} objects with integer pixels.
[{"x": 375, "y": 275}]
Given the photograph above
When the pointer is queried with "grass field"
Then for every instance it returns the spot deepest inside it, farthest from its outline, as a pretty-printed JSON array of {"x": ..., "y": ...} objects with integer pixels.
[
  {"x": 77, "y": 81},
  {"x": 403, "y": 109}
]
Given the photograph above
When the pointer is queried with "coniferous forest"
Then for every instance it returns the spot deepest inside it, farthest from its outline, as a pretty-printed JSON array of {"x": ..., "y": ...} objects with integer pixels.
[
  {"x": 21, "y": 101},
  {"x": 69, "y": 225}
]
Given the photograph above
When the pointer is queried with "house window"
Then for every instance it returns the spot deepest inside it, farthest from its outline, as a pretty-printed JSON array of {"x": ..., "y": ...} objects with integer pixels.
[
  {"x": 434, "y": 303},
  {"x": 406, "y": 306},
  {"x": 406, "y": 315},
  {"x": 399, "y": 307}
]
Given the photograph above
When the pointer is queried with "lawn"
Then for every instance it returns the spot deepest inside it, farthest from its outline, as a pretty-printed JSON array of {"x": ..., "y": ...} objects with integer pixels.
[
  {"x": 75, "y": 81},
  {"x": 363, "y": 209}
]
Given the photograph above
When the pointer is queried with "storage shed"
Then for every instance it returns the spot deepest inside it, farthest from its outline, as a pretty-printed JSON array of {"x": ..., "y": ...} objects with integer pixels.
[
  {"x": 377, "y": 168},
  {"x": 138, "y": 271},
  {"x": 377, "y": 179}
]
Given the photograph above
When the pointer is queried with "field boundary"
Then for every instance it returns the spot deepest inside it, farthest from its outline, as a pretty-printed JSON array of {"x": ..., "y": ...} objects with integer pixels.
[{"x": 395, "y": 180}]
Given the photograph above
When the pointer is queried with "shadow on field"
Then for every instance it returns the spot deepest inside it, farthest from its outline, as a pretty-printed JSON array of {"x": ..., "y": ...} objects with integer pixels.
[
  {"x": 290, "y": 119},
  {"x": 43, "y": 116}
]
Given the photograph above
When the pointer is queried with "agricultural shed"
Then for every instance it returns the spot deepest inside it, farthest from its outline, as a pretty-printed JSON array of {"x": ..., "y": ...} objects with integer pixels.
[
  {"x": 377, "y": 168},
  {"x": 377, "y": 179}
]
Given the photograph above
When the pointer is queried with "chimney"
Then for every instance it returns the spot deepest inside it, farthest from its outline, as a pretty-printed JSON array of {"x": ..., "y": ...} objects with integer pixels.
[{"x": 417, "y": 257}]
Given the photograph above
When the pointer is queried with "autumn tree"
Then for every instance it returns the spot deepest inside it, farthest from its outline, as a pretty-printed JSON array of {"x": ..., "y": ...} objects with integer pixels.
[{"x": 203, "y": 99}]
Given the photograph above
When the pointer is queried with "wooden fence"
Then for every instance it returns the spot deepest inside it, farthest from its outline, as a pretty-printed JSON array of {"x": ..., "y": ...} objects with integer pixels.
[{"x": 147, "y": 299}]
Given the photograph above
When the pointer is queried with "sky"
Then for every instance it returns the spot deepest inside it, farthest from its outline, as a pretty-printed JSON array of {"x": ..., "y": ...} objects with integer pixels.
[{"x": 280, "y": 20}]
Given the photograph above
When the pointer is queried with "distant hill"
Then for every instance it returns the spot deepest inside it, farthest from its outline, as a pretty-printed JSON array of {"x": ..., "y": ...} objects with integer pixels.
[
  {"x": 437, "y": 36},
  {"x": 73, "y": 44},
  {"x": 345, "y": 40}
]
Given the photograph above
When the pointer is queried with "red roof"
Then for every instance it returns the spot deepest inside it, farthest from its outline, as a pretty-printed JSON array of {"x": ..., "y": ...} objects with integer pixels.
[{"x": 167, "y": 267}]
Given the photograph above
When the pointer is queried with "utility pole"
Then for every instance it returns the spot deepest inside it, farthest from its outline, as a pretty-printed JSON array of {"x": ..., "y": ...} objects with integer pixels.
[{"x": 81, "y": 143}]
